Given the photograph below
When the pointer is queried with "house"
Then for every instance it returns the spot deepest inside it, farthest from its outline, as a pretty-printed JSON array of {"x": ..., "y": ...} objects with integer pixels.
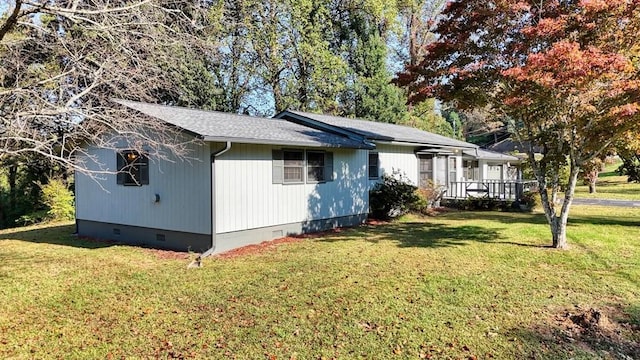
[{"x": 255, "y": 179}]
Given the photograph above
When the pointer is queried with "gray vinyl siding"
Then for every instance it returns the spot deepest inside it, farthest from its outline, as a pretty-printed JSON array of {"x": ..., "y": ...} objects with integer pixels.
[
  {"x": 183, "y": 187},
  {"x": 247, "y": 198}
]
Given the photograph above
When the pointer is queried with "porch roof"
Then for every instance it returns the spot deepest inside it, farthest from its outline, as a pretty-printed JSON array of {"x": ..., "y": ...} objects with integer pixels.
[{"x": 483, "y": 154}]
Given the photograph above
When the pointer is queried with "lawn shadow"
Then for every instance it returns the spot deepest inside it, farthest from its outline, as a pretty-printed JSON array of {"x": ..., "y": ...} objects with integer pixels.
[
  {"x": 539, "y": 219},
  {"x": 55, "y": 235},
  {"x": 608, "y": 174},
  {"x": 497, "y": 216},
  {"x": 604, "y": 220},
  {"x": 420, "y": 235}
]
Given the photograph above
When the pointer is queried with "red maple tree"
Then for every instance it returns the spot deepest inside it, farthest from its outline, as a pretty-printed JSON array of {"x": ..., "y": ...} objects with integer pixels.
[{"x": 566, "y": 74}]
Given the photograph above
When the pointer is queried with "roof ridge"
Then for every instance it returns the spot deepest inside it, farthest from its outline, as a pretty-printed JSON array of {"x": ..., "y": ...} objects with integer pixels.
[
  {"x": 123, "y": 101},
  {"x": 363, "y": 120}
]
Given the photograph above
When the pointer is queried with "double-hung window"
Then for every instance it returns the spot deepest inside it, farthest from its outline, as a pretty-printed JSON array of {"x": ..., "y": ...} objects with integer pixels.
[
  {"x": 453, "y": 171},
  {"x": 293, "y": 166},
  {"x": 133, "y": 168},
  {"x": 426, "y": 169},
  {"x": 299, "y": 166}
]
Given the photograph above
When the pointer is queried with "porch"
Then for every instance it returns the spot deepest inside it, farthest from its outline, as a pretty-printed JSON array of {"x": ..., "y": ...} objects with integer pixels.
[{"x": 504, "y": 190}]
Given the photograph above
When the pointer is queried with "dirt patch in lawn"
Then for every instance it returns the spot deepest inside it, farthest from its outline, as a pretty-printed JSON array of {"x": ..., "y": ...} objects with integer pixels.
[{"x": 605, "y": 331}]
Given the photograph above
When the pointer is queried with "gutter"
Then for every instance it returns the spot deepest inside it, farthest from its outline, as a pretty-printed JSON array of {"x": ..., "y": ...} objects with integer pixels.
[
  {"x": 424, "y": 144},
  {"x": 198, "y": 261}
]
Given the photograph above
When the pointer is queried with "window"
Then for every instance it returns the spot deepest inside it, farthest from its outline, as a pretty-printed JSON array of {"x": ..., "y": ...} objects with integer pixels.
[
  {"x": 374, "y": 171},
  {"x": 494, "y": 172},
  {"x": 293, "y": 166},
  {"x": 470, "y": 170},
  {"x": 315, "y": 166},
  {"x": 133, "y": 168},
  {"x": 426, "y": 169},
  {"x": 453, "y": 161},
  {"x": 290, "y": 167}
]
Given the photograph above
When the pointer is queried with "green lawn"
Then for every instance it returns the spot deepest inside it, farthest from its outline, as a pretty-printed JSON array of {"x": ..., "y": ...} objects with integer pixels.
[
  {"x": 461, "y": 285},
  {"x": 610, "y": 185}
]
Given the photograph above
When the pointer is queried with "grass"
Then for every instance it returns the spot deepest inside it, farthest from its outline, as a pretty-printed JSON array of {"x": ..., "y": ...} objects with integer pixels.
[
  {"x": 610, "y": 185},
  {"x": 456, "y": 286}
]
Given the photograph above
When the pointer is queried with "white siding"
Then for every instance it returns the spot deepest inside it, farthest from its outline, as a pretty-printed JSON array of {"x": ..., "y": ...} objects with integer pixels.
[
  {"x": 246, "y": 198},
  {"x": 402, "y": 158},
  {"x": 184, "y": 190}
]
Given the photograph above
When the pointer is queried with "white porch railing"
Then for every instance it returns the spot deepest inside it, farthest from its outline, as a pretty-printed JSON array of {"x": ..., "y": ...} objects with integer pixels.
[{"x": 493, "y": 189}]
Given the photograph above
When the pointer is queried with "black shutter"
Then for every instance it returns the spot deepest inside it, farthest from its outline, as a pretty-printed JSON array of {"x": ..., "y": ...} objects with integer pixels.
[
  {"x": 144, "y": 170},
  {"x": 120, "y": 164},
  {"x": 278, "y": 167},
  {"x": 328, "y": 166}
]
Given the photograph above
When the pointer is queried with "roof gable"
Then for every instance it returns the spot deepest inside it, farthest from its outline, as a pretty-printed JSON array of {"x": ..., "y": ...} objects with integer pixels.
[
  {"x": 220, "y": 126},
  {"x": 377, "y": 131}
]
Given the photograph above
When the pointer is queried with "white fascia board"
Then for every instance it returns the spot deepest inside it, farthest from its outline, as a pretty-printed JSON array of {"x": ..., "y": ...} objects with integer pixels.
[
  {"x": 435, "y": 146},
  {"x": 284, "y": 143}
]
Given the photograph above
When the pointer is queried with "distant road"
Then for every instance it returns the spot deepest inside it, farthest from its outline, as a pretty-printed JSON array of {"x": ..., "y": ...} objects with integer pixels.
[{"x": 607, "y": 202}]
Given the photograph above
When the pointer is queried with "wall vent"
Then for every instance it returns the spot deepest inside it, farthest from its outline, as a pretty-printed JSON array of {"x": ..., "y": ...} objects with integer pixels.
[
  {"x": 160, "y": 237},
  {"x": 116, "y": 231},
  {"x": 277, "y": 234}
]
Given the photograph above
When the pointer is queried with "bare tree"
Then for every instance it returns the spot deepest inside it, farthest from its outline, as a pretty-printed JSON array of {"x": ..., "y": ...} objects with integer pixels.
[{"x": 64, "y": 61}]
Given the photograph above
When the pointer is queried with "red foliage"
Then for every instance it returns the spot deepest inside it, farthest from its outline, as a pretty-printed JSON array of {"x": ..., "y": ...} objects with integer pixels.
[{"x": 566, "y": 72}]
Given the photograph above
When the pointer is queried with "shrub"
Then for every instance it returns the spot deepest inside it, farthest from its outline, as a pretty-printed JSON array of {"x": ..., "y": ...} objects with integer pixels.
[
  {"x": 392, "y": 197},
  {"x": 32, "y": 218},
  {"x": 630, "y": 167},
  {"x": 530, "y": 200},
  {"x": 476, "y": 203},
  {"x": 58, "y": 199},
  {"x": 429, "y": 196}
]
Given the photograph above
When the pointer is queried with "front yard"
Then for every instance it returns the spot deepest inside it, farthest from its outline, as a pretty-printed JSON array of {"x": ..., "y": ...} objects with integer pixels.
[{"x": 460, "y": 285}]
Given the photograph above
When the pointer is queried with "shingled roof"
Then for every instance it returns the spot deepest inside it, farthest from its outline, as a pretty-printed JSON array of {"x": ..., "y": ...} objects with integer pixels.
[
  {"x": 377, "y": 131},
  {"x": 490, "y": 155},
  {"x": 219, "y": 126}
]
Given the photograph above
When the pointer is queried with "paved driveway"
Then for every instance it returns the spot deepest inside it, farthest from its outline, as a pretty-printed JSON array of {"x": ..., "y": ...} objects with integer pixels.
[{"x": 607, "y": 202}]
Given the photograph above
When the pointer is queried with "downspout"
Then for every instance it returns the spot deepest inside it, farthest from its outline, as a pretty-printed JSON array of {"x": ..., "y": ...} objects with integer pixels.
[{"x": 198, "y": 261}]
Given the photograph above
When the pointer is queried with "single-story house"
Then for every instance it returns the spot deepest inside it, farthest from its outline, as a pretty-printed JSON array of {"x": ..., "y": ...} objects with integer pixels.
[{"x": 254, "y": 179}]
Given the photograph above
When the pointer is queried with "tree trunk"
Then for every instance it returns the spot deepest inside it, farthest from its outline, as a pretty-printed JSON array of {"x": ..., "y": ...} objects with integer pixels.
[
  {"x": 559, "y": 233},
  {"x": 559, "y": 222},
  {"x": 592, "y": 188},
  {"x": 13, "y": 191}
]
